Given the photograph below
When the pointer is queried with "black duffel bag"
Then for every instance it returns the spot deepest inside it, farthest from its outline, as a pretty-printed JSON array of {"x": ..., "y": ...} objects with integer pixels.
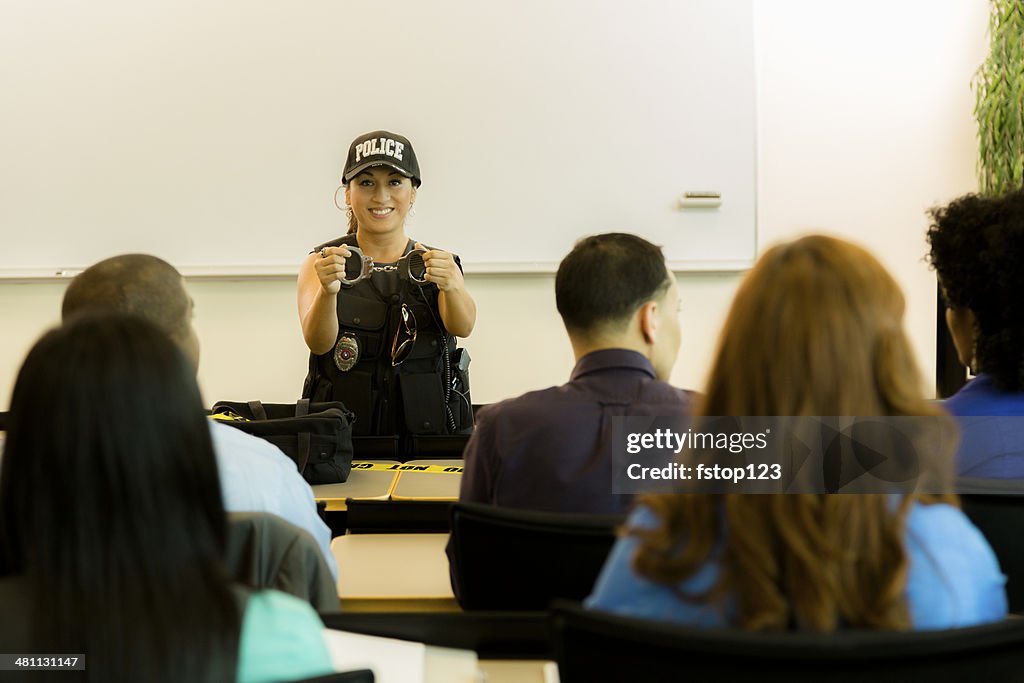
[{"x": 317, "y": 436}]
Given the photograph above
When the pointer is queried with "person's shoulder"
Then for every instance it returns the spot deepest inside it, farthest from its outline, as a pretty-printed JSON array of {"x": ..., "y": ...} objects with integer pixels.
[
  {"x": 548, "y": 402},
  {"x": 534, "y": 412},
  {"x": 979, "y": 397},
  {"x": 273, "y": 607},
  {"x": 945, "y": 538},
  {"x": 662, "y": 391},
  {"x": 234, "y": 440},
  {"x": 642, "y": 517},
  {"x": 954, "y": 577},
  {"x": 282, "y": 638},
  {"x": 622, "y": 590},
  {"x": 944, "y": 524}
]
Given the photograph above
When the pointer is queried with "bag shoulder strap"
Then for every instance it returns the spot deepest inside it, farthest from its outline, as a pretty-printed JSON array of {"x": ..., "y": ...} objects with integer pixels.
[
  {"x": 302, "y": 407},
  {"x": 258, "y": 412}
]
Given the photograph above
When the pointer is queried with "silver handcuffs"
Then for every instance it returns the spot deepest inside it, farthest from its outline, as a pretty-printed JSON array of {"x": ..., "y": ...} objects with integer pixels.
[
  {"x": 410, "y": 267},
  {"x": 356, "y": 260}
]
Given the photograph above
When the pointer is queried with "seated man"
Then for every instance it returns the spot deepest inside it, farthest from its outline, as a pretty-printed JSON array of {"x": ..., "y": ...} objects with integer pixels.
[
  {"x": 255, "y": 475},
  {"x": 552, "y": 449}
]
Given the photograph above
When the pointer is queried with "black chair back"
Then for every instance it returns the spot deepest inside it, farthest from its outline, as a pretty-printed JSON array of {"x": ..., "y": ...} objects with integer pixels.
[
  {"x": 594, "y": 646},
  {"x": 492, "y": 635},
  {"x": 997, "y": 509},
  {"x": 397, "y": 516},
  {"x": 504, "y": 559},
  {"x": 360, "y": 676}
]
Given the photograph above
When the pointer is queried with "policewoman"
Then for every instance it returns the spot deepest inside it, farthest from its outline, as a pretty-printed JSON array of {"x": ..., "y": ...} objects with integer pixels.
[{"x": 380, "y": 312}]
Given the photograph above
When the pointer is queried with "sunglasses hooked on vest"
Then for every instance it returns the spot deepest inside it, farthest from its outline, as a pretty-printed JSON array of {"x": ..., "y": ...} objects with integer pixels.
[{"x": 393, "y": 363}]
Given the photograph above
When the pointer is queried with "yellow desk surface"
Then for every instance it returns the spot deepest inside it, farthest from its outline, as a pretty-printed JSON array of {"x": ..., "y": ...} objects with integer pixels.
[
  {"x": 365, "y": 484},
  {"x": 518, "y": 671},
  {"x": 434, "y": 485},
  {"x": 393, "y": 572}
]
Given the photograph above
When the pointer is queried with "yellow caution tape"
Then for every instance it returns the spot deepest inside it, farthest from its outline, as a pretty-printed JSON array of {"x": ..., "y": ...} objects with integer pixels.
[
  {"x": 229, "y": 416},
  {"x": 399, "y": 467}
]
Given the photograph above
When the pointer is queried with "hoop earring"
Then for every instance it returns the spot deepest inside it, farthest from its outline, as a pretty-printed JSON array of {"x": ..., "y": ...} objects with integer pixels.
[
  {"x": 336, "y": 202},
  {"x": 412, "y": 210}
]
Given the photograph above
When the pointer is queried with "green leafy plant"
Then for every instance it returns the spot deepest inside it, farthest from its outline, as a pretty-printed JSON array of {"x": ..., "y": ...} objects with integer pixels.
[{"x": 999, "y": 103}]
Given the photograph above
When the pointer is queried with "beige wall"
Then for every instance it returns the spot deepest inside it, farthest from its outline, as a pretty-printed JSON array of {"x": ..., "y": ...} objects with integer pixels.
[{"x": 864, "y": 121}]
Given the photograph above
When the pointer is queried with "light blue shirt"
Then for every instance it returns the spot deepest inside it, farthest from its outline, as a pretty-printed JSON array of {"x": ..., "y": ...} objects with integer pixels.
[
  {"x": 282, "y": 640},
  {"x": 256, "y": 476},
  {"x": 953, "y": 577}
]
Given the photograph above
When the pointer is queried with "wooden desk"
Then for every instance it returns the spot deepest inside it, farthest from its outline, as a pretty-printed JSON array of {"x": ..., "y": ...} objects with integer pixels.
[
  {"x": 366, "y": 484},
  {"x": 400, "y": 661},
  {"x": 393, "y": 572},
  {"x": 441, "y": 486},
  {"x": 518, "y": 671}
]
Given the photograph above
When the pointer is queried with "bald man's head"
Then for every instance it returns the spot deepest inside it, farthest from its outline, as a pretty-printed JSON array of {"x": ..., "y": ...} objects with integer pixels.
[{"x": 140, "y": 284}]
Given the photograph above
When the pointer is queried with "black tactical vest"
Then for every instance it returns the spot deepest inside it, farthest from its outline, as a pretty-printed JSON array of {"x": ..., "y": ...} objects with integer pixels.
[{"x": 426, "y": 393}]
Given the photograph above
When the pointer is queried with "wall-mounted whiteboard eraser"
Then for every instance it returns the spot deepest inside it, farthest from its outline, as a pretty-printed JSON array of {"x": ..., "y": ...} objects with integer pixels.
[{"x": 700, "y": 199}]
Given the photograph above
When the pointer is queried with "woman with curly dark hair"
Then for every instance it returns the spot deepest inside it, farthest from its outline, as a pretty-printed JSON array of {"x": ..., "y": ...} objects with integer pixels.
[
  {"x": 816, "y": 328},
  {"x": 977, "y": 250}
]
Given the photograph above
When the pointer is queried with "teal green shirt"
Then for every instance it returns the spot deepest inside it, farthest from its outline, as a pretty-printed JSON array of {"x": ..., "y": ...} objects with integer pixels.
[{"x": 282, "y": 640}]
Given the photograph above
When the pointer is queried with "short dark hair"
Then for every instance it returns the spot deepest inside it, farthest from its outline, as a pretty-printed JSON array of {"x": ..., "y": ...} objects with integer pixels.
[
  {"x": 132, "y": 283},
  {"x": 977, "y": 249},
  {"x": 110, "y": 505},
  {"x": 605, "y": 278}
]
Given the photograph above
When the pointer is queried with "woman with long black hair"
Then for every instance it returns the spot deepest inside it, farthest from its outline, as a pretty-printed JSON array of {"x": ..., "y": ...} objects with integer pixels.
[{"x": 112, "y": 527}]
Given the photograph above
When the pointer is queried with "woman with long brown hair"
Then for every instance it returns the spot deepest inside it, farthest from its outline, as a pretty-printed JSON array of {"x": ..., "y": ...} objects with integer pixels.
[{"x": 815, "y": 329}]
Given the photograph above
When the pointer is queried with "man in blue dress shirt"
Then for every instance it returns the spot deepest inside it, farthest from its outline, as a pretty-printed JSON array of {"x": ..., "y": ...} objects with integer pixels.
[{"x": 255, "y": 475}]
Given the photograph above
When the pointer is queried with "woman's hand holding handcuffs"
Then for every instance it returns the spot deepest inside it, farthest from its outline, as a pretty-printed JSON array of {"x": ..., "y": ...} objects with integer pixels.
[
  {"x": 330, "y": 267},
  {"x": 442, "y": 269}
]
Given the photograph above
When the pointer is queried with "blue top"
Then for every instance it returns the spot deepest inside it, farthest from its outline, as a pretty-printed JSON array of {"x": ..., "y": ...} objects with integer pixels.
[
  {"x": 992, "y": 429},
  {"x": 552, "y": 449},
  {"x": 953, "y": 579},
  {"x": 255, "y": 476},
  {"x": 282, "y": 639}
]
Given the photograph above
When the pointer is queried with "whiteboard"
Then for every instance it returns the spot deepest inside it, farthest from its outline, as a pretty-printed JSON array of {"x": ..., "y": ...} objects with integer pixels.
[{"x": 213, "y": 133}]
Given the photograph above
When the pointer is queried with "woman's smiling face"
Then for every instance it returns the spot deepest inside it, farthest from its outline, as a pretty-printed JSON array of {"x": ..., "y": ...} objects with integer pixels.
[{"x": 380, "y": 198}]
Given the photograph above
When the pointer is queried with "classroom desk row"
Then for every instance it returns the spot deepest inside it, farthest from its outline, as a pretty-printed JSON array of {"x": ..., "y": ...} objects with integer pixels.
[
  {"x": 378, "y": 574},
  {"x": 406, "y": 572}
]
